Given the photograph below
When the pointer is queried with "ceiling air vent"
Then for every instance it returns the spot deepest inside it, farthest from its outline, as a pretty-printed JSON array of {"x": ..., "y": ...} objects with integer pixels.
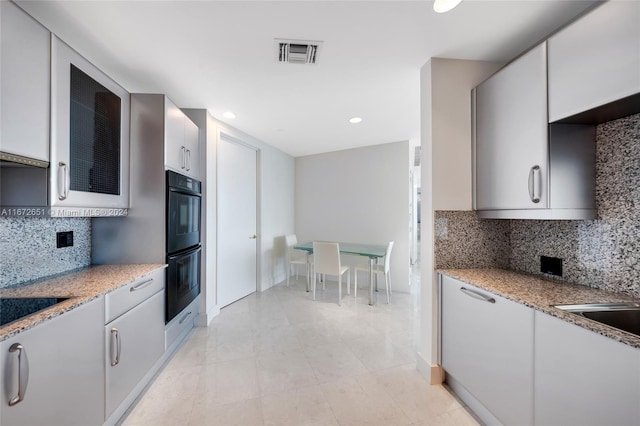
[{"x": 297, "y": 51}]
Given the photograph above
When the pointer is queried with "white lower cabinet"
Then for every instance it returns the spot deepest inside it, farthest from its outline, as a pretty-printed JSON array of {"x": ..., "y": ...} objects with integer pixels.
[
  {"x": 133, "y": 343},
  {"x": 59, "y": 363},
  {"x": 487, "y": 347},
  {"x": 583, "y": 378}
]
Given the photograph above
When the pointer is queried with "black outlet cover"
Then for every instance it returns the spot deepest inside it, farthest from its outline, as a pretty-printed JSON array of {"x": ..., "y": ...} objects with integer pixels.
[
  {"x": 64, "y": 239},
  {"x": 551, "y": 265}
]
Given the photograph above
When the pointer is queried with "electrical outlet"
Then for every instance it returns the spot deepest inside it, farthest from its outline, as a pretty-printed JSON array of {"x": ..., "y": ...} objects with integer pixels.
[
  {"x": 551, "y": 265},
  {"x": 64, "y": 239}
]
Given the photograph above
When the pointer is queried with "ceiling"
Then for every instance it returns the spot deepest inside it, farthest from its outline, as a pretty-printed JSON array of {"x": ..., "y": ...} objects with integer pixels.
[{"x": 221, "y": 55}]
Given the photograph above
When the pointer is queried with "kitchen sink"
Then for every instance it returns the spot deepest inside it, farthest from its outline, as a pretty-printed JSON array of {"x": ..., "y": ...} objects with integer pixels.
[{"x": 623, "y": 316}]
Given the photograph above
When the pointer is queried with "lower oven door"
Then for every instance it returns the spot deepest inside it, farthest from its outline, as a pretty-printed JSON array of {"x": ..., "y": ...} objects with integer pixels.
[{"x": 183, "y": 280}]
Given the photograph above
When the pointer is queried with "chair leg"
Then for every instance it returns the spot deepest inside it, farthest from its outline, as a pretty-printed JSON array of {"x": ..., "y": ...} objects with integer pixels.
[
  {"x": 348, "y": 282},
  {"x": 355, "y": 283},
  {"x": 314, "y": 286},
  {"x": 288, "y": 273},
  {"x": 339, "y": 289},
  {"x": 386, "y": 281}
]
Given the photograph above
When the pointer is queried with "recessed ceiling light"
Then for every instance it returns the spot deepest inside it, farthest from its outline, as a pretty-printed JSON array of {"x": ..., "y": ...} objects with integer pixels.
[
  {"x": 228, "y": 114},
  {"x": 442, "y": 6},
  {"x": 355, "y": 120}
]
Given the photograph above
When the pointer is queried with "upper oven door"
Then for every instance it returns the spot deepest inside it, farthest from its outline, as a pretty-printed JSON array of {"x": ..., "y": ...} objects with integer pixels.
[{"x": 183, "y": 220}]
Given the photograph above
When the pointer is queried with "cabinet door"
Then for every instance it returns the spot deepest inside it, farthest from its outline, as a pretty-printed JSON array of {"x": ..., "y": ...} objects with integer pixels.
[
  {"x": 133, "y": 342},
  {"x": 65, "y": 371},
  {"x": 487, "y": 347},
  {"x": 583, "y": 378},
  {"x": 175, "y": 149},
  {"x": 595, "y": 60},
  {"x": 90, "y": 140},
  {"x": 25, "y": 84},
  {"x": 511, "y": 136},
  {"x": 192, "y": 142}
]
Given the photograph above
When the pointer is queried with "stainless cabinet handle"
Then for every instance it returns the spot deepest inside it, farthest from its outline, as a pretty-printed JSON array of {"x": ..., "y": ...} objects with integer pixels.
[
  {"x": 184, "y": 318},
  {"x": 184, "y": 157},
  {"x": 188, "y": 160},
  {"x": 535, "y": 183},
  {"x": 23, "y": 373},
  {"x": 142, "y": 285},
  {"x": 63, "y": 182},
  {"x": 115, "y": 354},
  {"x": 477, "y": 295}
]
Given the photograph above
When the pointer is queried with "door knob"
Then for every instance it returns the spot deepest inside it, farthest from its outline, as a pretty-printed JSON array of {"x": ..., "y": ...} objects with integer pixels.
[{"x": 253, "y": 237}]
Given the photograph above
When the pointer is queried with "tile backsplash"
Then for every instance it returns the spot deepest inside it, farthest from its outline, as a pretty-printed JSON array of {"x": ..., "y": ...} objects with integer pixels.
[
  {"x": 29, "y": 248},
  {"x": 602, "y": 253}
]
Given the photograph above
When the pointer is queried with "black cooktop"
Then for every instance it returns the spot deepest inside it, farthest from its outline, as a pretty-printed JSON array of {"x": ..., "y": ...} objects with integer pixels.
[{"x": 12, "y": 309}]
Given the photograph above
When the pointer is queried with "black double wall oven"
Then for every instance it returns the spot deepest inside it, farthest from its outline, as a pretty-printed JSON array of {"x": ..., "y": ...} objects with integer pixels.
[{"x": 183, "y": 242}]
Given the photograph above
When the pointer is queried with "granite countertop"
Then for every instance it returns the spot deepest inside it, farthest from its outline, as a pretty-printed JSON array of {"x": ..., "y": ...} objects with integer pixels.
[
  {"x": 79, "y": 286},
  {"x": 541, "y": 294}
]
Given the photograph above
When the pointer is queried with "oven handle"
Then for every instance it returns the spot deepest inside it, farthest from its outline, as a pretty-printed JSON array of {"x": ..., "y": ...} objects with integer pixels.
[
  {"x": 185, "y": 191},
  {"x": 189, "y": 252}
]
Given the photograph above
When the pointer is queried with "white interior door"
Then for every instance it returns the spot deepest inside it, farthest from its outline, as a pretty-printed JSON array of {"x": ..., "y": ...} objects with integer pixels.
[{"x": 237, "y": 226}]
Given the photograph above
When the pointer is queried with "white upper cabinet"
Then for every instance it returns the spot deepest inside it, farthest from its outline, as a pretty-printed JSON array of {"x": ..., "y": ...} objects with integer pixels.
[
  {"x": 511, "y": 145},
  {"x": 90, "y": 134},
  {"x": 181, "y": 147},
  {"x": 24, "y": 76},
  {"x": 595, "y": 60}
]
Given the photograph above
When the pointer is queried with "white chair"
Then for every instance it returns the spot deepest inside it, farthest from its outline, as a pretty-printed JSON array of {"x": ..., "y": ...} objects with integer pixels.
[
  {"x": 377, "y": 269},
  {"x": 296, "y": 257},
  {"x": 327, "y": 262}
]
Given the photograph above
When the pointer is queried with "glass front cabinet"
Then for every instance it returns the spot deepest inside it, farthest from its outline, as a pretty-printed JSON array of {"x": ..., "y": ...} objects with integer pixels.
[{"x": 89, "y": 134}]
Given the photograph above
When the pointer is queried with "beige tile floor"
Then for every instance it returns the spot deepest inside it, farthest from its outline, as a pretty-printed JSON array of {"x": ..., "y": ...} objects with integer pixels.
[{"x": 279, "y": 358}]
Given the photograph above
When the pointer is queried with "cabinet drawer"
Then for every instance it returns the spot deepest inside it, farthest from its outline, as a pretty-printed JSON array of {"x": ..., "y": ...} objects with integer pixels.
[
  {"x": 127, "y": 297},
  {"x": 183, "y": 322}
]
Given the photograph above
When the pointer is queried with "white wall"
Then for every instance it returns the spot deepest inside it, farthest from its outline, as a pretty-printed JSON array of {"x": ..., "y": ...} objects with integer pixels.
[
  {"x": 445, "y": 115},
  {"x": 358, "y": 195}
]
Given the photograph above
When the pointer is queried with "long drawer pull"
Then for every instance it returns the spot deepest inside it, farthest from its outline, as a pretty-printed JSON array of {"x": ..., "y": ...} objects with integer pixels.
[
  {"x": 23, "y": 373},
  {"x": 184, "y": 318},
  {"x": 115, "y": 357},
  {"x": 142, "y": 285},
  {"x": 477, "y": 295}
]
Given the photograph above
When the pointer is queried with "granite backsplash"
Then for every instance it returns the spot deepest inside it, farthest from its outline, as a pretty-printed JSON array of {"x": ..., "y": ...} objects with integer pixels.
[
  {"x": 602, "y": 253},
  {"x": 29, "y": 248}
]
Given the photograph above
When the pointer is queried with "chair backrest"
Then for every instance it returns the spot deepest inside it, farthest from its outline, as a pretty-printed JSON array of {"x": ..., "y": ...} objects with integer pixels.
[
  {"x": 326, "y": 258},
  {"x": 290, "y": 240},
  {"x": 387, "y": 257}
]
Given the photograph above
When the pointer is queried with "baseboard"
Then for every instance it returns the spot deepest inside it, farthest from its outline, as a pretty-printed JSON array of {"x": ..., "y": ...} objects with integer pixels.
[
  {"x": 433, "y": 373},
  {"x": 204, "y": 319}
]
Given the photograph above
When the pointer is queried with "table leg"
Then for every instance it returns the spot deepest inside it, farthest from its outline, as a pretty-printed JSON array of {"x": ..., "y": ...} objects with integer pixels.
[
  {"x": 376, "y": 276},
  {"x": 308, "y": 274},
  {"x": 371, "y": 281}
]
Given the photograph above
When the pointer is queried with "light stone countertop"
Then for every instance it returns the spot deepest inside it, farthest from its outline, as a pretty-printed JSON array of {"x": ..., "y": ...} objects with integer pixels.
[
  {"x": 542, "y": 294},
  {"x": 80, "y": 286}
]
